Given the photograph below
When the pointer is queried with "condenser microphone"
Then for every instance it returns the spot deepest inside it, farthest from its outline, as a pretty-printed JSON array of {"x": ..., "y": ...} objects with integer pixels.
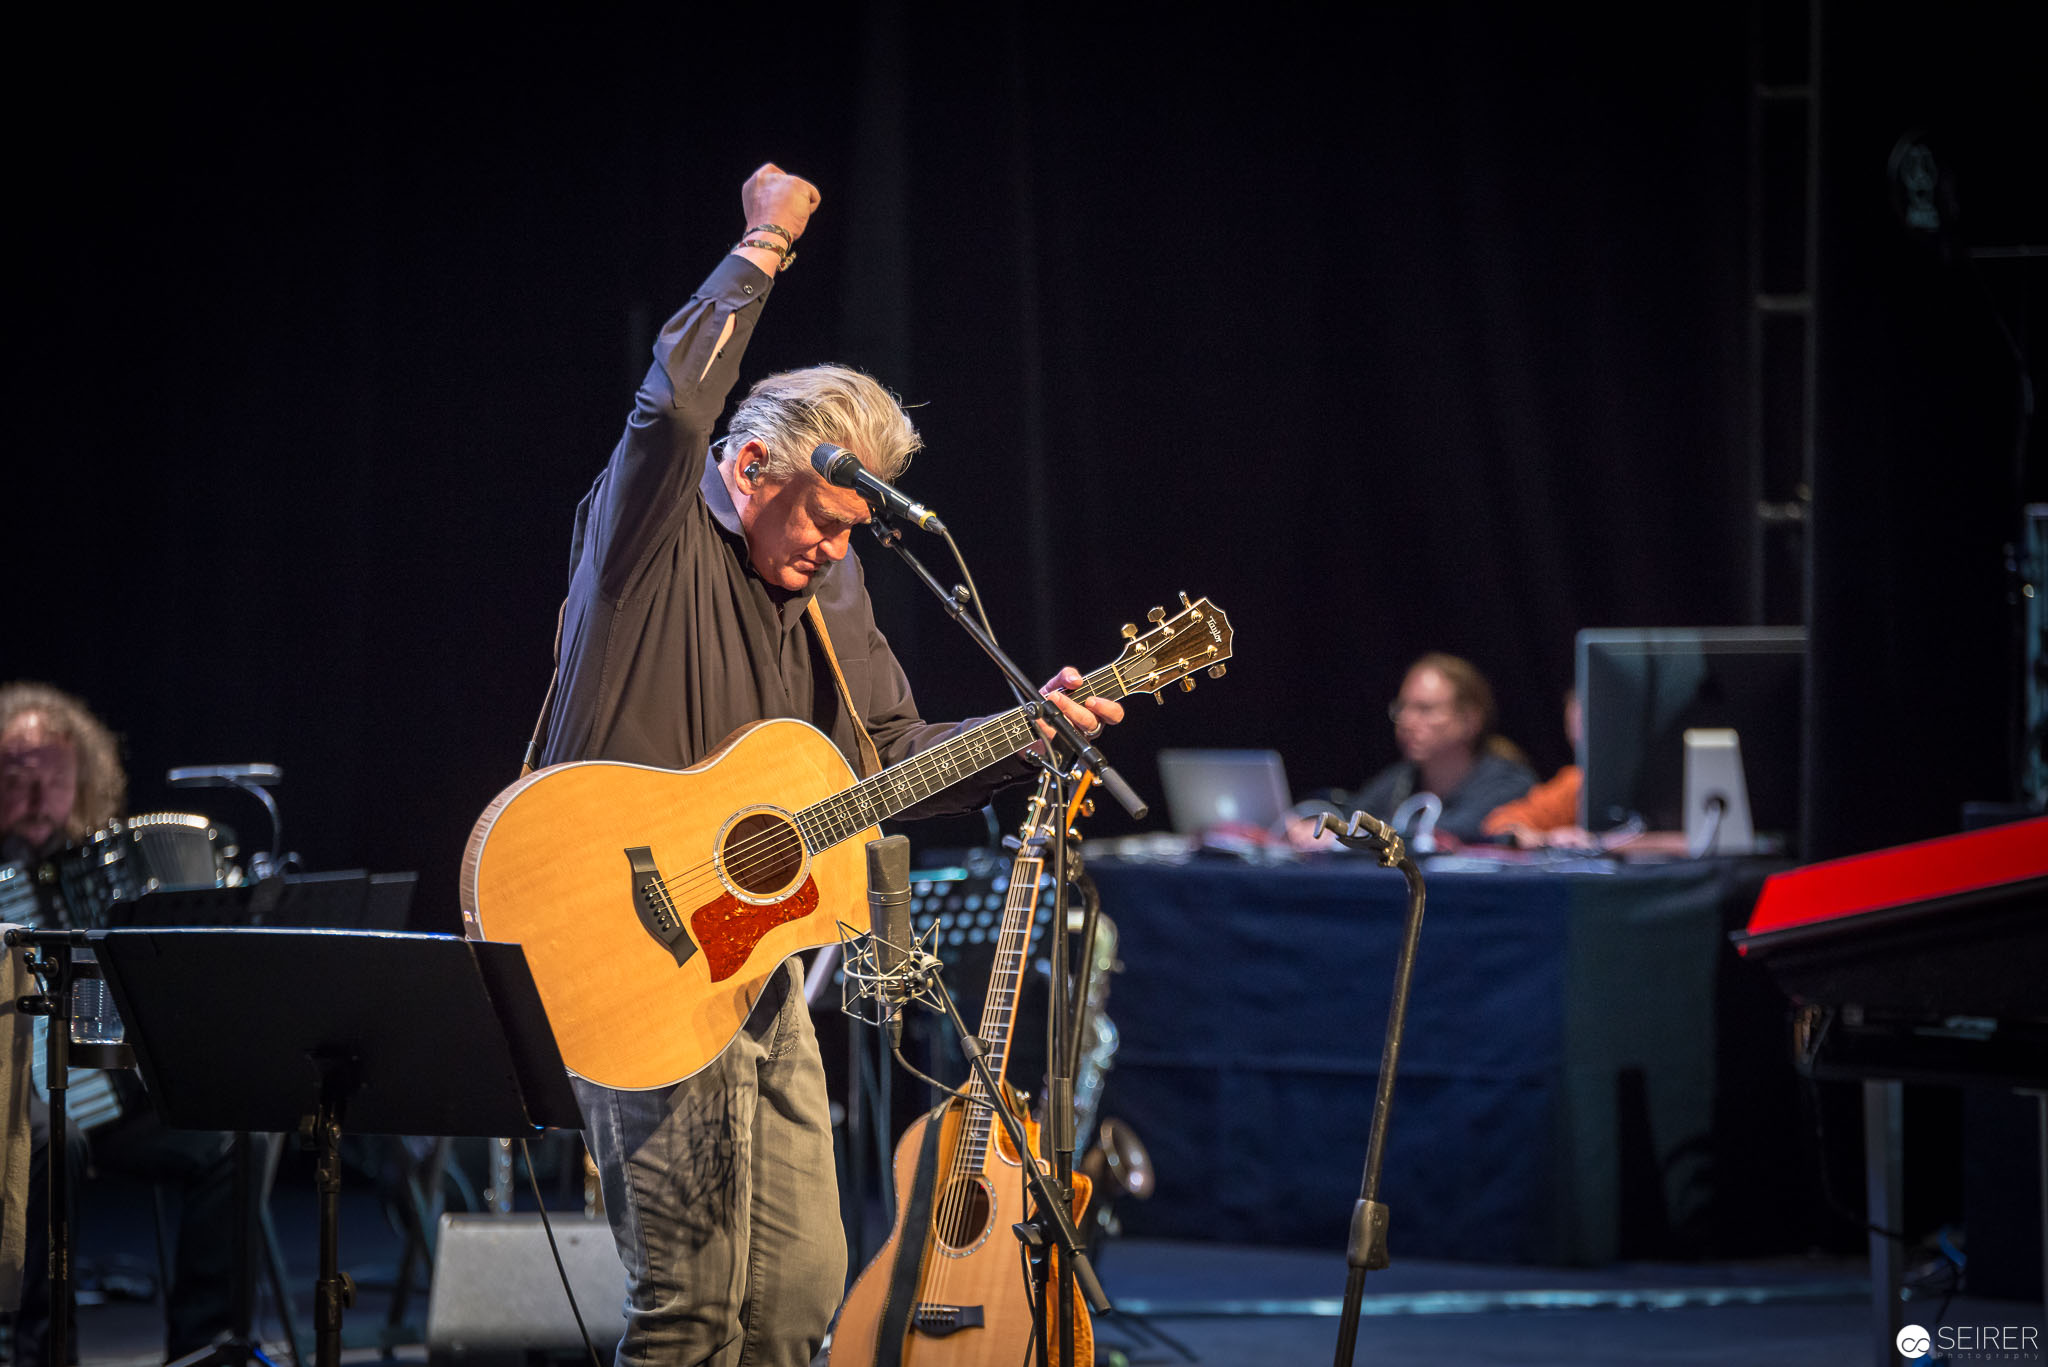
[
  {"x": 841, "y": 467},
  {"x": 889, "y": 921}
]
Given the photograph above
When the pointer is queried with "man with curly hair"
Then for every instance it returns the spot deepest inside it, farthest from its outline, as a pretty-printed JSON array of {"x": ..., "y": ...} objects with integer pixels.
[
  {"x": 60, "y": 780},
  {"x": 60, "y": 772}
]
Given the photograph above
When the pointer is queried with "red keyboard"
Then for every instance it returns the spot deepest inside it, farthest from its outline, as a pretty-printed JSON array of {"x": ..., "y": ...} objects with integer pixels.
[{"x": 2002, "y": 860}]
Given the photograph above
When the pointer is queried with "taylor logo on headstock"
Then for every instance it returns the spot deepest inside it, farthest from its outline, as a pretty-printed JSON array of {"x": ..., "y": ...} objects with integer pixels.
[{"x": 1197, "y": 639}]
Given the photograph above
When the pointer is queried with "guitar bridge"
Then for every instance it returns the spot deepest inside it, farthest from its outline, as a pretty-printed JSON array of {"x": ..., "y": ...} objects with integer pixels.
[
  {"x": 937, "y": 1321},
  {"x": 652, "y": 905}
]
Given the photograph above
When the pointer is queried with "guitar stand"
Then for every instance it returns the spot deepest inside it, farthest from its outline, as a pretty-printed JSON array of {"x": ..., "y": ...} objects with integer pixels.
[
  {"x": 1052, "y": 1214},
  {"x": 1367, "y": 1249}
]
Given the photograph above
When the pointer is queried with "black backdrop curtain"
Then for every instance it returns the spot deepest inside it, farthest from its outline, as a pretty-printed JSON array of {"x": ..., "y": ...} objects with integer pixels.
[{"x": 1423, "y": 336}]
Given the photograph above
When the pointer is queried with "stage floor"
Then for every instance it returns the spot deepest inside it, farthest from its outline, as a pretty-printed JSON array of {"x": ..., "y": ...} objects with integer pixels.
[{"x": 1229, "y": 1305}]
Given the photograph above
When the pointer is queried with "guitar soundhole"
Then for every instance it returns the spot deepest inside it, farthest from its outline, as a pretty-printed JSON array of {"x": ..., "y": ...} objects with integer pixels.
[
  {"x": 962, "y": 1219},
  {"x": 762, "y": 854}
]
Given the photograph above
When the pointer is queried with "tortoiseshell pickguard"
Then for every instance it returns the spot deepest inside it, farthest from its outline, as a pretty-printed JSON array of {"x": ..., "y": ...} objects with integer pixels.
[{"x": 728, "y": 929}]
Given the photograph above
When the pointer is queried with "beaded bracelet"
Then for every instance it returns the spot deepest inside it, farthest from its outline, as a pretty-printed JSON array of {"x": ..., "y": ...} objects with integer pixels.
[
  {"x": 775, "y": 228},
  {"x": 763, "y": 244}
]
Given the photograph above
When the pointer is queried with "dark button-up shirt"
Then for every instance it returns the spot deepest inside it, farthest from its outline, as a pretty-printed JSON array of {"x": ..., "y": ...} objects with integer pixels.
[{"x": 670, "y": 640}]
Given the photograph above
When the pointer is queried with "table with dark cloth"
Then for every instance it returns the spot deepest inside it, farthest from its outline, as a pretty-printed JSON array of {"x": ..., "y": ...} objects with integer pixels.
[{"x": 1557, "y": 1080}]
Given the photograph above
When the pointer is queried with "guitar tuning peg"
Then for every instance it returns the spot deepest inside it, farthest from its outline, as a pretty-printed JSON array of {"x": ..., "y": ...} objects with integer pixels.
[
  {"x": 1184, "y": 599},
  {"x": 1159, "y": 698},
  {"x": 1187, "y": 685},
  {"x": 1215, "y": 671},
  {"x": 1087, "y": 806},
  {"x": 1156, "y": 616},
  {"x": 1130, "y": 631}
]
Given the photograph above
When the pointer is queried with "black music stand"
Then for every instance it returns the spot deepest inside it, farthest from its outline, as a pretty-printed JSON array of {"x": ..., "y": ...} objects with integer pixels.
[
  {"x": 346, "y": 899},
  {"x": 316, "y": 1030}
]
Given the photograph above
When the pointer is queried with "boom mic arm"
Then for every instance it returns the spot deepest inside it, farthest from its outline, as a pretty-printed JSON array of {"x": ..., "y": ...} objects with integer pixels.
[
  {"x": 253, "y": 779},
  {"x": 226, "y": 776}
]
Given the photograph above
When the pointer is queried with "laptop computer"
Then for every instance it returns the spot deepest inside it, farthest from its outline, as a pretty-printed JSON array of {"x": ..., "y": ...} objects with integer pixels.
[{"x": 1210, "y": 788}]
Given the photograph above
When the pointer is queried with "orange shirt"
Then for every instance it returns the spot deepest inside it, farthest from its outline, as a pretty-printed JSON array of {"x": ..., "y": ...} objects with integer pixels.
[{"x": 1545, "y": 807}]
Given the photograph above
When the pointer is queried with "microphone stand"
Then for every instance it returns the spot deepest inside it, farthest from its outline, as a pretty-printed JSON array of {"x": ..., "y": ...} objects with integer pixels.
[
  {"x": 1367, "y": 1249},
  {"x": 1055, "y": 1199},
  {"x": 1062, "y": 1046}
]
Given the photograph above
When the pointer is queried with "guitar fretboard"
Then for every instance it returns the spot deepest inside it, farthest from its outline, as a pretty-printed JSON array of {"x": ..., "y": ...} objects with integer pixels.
[
  {"x": 998, "y": 1009},
  {"x": 901, "y": 786}
]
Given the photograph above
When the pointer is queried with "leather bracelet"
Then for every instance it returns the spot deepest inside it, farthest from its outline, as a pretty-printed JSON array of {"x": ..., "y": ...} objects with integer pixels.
[
  {"x": 763, "y": 244},
  {"x": 777, "y": 229}
]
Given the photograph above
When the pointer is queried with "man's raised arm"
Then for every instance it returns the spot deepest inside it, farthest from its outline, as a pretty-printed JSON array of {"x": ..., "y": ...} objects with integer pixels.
[{"x": 655, "y": 466}]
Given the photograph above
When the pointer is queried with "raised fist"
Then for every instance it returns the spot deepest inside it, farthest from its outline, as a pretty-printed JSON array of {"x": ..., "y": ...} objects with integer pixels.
[{"x": 772, "y": 195}]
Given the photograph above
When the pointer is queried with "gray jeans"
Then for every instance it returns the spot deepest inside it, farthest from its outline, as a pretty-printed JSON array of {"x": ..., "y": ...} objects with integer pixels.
[{"x": 723, "y": 1199}]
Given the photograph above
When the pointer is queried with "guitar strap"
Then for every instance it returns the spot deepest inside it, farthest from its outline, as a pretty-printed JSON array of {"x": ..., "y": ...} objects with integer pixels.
[
  {"x": 547, "y": 702},
  {"x": 870, "y": 758},
  {"x": 893, "y": 1334}
]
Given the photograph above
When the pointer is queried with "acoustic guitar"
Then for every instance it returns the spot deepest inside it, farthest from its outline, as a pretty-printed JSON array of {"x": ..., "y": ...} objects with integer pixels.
[
  {"x": 654, "y": 903},
  {"x": 967, "y": 1300}
]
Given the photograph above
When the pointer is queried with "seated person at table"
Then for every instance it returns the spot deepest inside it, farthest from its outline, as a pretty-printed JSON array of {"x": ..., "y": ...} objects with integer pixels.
[
  {"x": 1548, "y": 814},
  {"x": 1443, "y": 724}
]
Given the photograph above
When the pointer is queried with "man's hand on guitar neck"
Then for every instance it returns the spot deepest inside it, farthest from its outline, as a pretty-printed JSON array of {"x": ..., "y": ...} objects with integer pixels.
[{"x": 1088, "y": 717}]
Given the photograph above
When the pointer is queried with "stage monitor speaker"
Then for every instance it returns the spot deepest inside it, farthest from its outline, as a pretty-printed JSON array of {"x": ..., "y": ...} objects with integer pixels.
[{"x": 497, "y": 1298}]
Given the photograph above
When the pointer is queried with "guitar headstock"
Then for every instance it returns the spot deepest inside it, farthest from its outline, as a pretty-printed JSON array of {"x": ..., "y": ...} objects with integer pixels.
[
  {"x": 1041, "y": 817},
  {"x": 1196, "y": 639}
]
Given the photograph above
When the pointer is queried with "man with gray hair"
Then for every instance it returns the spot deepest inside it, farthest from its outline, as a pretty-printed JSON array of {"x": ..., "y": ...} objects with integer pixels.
[{"x": 692, "y": 569}]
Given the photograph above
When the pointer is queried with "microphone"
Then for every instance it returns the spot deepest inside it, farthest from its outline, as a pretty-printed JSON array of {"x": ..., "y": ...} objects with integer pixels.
[
  {"x": 841, "y": 467},
  {"x": 889, "y": 920}
]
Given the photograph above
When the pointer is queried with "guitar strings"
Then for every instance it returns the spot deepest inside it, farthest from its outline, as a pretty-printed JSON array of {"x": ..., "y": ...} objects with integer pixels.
[
  {"x": 756, "y": 853},
  {"x": 752, "y": 855},
  {"x": 760, "y": 851},
  {"x": 924, "y": 767},
  {"x": 977, "y": 1116},
  {"x": 956, "y": 1198},
  {"x": 781, "y": 843}
]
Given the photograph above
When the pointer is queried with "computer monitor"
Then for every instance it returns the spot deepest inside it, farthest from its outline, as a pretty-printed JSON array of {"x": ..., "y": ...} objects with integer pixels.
[
  {"x": 1641, "y": 690},
  {"x": 1210, "y": 788}
]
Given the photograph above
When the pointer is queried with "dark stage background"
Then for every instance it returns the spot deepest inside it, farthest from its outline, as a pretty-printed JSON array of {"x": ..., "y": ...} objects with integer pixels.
[{"x": 1428, "y": 334}]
